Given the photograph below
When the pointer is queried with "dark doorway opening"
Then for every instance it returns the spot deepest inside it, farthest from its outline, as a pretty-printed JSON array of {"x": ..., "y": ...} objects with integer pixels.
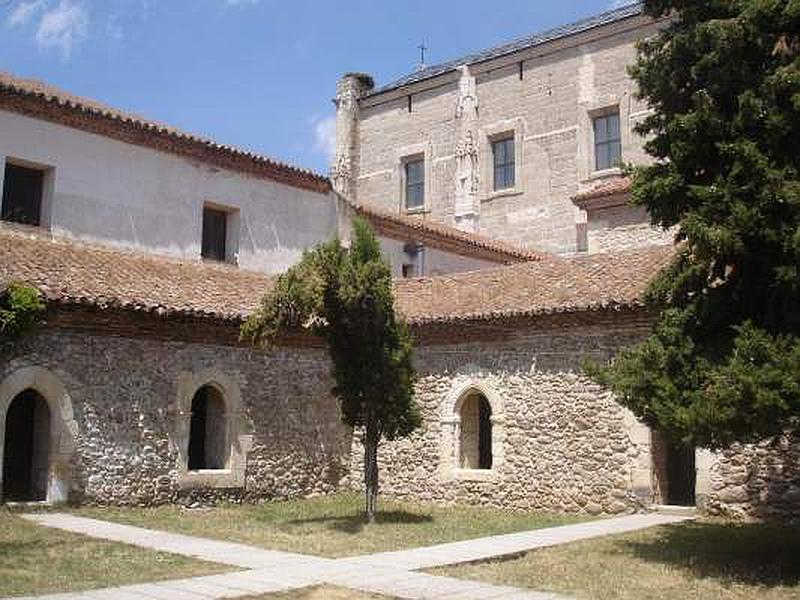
[
  {"x": 484, "y": 434},
  {"x": 25, "y": 449},
  {"x": 675, "y": 471},
  {"x": 476, "y": 433},
  {"x": 207, "y": 430}
]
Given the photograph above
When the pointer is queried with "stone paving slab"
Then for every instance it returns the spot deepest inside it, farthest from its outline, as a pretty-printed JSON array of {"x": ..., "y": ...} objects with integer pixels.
[
  {"x": 228, "y": 553},
  {"x": 511, "y": 543},
  {"x": 389, "y": 573},
  {"x": 419, "y": 586}
]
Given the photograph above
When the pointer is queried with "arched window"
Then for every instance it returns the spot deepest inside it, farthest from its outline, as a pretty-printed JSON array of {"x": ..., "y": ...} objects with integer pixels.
[
  {"x": 208, "y": 435},
  {"x": 26, "y": 448},
  {"x": 476, "y": 432}
]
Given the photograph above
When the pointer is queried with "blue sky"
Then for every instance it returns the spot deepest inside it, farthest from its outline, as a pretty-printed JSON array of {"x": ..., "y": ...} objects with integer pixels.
[{"x": 258, "y": 74}]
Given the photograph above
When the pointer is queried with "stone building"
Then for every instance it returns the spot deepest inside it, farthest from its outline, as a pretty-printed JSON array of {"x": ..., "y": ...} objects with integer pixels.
[
  {"x": 521, "y": 142},
  {"x": 151, "y": 245}
]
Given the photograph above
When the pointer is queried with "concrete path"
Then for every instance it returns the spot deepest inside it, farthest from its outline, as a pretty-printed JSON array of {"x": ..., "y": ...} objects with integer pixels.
[
  {"x": 226, "y": 553},
  {"x": 512, "y": 543},
  {"x": 388, "y": 573}
]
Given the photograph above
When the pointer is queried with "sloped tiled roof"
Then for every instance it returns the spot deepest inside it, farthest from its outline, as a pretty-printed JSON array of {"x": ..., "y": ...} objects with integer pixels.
[
  {"x": 39, "y": 100},
  {"x": 615, "y": 186},
  {"x": 461, "y": 242},
  {"x": 76, "y": 273},
  {"x": 552, "y": 285},
  {"x": 530, "y": 41}
]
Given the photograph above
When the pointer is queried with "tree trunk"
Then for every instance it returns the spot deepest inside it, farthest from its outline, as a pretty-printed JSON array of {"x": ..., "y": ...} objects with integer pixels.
[{"x": 371, "y": 439}]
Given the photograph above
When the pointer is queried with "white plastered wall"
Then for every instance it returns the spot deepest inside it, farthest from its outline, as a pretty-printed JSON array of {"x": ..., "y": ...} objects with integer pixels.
[{"x": 105, "y": 191}]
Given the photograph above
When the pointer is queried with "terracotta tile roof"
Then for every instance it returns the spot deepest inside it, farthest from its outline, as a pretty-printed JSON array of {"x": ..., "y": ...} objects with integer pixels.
[
  {"x": 552, "y": 285},
  {"x": 77, "y": 273},
  {"x": 39, "y": 100},
  {"x": 607, "y": 188},
  {"x": 431, "y": 232}
]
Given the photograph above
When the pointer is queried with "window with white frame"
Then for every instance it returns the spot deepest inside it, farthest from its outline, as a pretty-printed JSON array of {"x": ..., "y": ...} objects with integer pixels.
[
  {"x": 414, "y": 172},
  {"x": 503, "y": 159},
  {"x": 607, "y": 141}
]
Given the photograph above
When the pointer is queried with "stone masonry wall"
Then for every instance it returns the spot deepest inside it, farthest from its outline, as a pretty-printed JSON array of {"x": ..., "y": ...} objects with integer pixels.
[
  {"x": 623, "y": 228},
  {"x": 123, "y": 393},
  {"x": 757, "y": 480},
  {"x": 549, "y": 110},
  {"x": 559, "y": 442}
]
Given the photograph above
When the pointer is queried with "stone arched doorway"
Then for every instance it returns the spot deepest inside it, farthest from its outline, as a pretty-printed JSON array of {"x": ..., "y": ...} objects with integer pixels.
[
  {"x": 211, "y": 434},
  {"x": 475, "y": 414},
  {"x": 26, "y": 444},
  {"x": 208, "y": 435},
  {"x": 473, "y": 431},
  {"x": 37, "y": 437}
]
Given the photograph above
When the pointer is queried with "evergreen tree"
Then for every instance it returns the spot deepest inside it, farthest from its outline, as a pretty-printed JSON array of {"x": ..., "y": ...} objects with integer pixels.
[
  {"x": 723, "y": 363},
  {"x": 344, "y": 295}
]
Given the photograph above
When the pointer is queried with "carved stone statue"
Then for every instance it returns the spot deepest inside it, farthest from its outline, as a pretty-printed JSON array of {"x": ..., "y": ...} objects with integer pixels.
[
  {"x": 467, "y": 165},
  {"x": 341, "y": 174},
  {"x": 467, "y": 106},
  {"x": 466, "y": 153}
]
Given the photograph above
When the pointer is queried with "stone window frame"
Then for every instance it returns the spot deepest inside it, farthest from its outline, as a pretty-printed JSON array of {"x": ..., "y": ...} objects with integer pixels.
[
  {"x": 63, "y": 426},
  {"x": 601, "y": 106},
  {"x": 508, "y": 128},
  {"x": 450, "y": 422},
  {"x": 424, "y": 152},
  {"x": 239, "y": 439}
]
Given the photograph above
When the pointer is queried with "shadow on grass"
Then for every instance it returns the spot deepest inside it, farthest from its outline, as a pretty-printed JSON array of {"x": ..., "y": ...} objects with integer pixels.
[
  {"x": 755, "y": 554},
  {"x": 14, "y": 549},
  {"x": 356, "y": 523}
]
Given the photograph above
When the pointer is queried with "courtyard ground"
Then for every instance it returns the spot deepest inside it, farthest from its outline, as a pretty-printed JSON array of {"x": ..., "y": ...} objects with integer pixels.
[
  {"x": 36, "y": 559},
  {"x": 322, "y": 592},
  {"x": 332, "y": 526},
  {"x": 688, "y": 561}
]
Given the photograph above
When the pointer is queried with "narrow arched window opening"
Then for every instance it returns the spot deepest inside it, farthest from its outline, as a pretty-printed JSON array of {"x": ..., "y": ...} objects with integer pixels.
[
  {"x": 208, "y": 430},
  {"x": 26, "y": 448},
  {"x": 476, "y": 432}
]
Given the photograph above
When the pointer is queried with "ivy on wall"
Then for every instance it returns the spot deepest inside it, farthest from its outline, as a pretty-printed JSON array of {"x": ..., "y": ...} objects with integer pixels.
[{"x": 21, "y": 309}]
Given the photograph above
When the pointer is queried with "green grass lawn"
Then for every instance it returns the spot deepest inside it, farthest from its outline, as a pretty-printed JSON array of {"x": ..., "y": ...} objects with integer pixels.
[
  {"x": 690, "y": 561},
  {"x": 332, "y": 526},
  {"x": 37, "y": 559}
]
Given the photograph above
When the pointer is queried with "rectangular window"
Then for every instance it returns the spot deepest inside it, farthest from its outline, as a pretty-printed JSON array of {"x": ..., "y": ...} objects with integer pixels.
[
  {"x": 22, "y": 195},
  {"x": 215, "y": 231},
  {"x": 607, "y": 142},
  {"x": 415, "y": 184},
  {"x": 503, "y": 152}
]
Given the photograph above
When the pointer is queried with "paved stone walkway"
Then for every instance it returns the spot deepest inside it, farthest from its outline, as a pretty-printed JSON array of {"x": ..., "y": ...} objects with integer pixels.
[{"x": 389, "y": 573}]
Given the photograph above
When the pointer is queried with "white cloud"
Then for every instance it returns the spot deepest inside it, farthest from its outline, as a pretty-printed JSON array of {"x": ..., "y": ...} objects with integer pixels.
[
  {"x": 325, "y": 136},
  {"x": 619, "y": 3},
  {"x": 23, "y": 13},
  {"x": 62, "y": 26}
]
